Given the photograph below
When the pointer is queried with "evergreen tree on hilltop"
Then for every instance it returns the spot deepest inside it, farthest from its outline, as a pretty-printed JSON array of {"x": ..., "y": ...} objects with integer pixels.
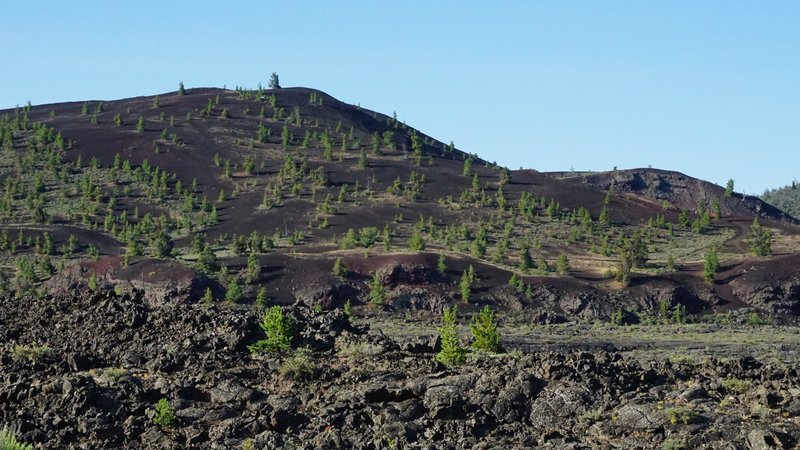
[{"x": 274, "y": 82}]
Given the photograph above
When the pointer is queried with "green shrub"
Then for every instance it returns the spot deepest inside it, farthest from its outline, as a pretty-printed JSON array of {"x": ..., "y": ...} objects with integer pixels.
[
  {"x": 377, "y": 293},
  {"x": 417, "y": 242},
  {"x": 31, "y": 352},
  {"x": 8, "y": 441},
  {"x": 339, "y": 269},
  {"x": 682, "y": 415},
  {"x": 562, "y": 265},
  {"x": 674, "y": 444},
  {"x": 278, "y": 332},
  {"x": 347, "y": 309},
  {"x": 484, "y": 331},
  {"x": 299, "y": 366},
  {"x": 736, "y": 385},
  {"x": 452, "y": 353},
  {"x": 165, "y": 415},
  {"x": 711, "y": 265}
]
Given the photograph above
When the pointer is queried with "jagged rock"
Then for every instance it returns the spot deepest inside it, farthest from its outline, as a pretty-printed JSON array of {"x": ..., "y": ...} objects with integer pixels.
[{"x": 99, "y": 386}]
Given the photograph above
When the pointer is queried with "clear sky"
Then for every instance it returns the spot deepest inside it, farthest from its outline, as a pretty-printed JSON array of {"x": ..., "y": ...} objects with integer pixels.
[{"x": 710, "y": 88}]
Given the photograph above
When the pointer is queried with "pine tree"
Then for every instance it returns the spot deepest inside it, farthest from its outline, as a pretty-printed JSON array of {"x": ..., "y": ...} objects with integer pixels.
[
  {"x": 562, "y": 265},
  {"x": 683, "y": 219},
  {"x": 140, "y": 125},
  {"x": 452, "y": 352},
  {"x": 484, "y": 331},
  {"x": 274, "y": 82},
  {"x": 278, "y": 332},
  {"x": 416, "y": 242},
  {"x": 441, "y": 264},
  {"x": 679, "y": 316},
  {"x": 261, "y": 297},
  {"x": 711, "y": 265},
  {"x": 339, "y": 269},
  {"x": 760, "y": 239},
  {"x": 208, "y": 298},
  {"x": 465, "y": 287},
  {"x": 525, "y": 259},
  {"x": 253, "y": 268},
  {"x": 729, "y": 188},
  {"x": 362, "y": 159},
  {"x": 467, "y": 170},
  {"x": 377, "y": 293},
  {"x": 181, "y": 90},
  {"x": 234, "y": 292}
]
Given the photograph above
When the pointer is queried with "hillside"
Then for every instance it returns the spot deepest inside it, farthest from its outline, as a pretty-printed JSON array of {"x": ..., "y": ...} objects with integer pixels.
[
  {"x": 678, "y": 191},
  {"x": 246, "y": 269},
  {"x": 786, "y": 198},
  {"x": 246, "y": 190}
]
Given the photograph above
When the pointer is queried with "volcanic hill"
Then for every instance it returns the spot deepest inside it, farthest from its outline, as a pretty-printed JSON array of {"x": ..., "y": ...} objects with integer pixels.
[{"x": 152, "y": 247}]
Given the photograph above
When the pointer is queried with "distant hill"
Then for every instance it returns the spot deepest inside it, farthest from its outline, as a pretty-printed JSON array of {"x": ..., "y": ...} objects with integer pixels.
[
  {"x": 285, "y": 195},
  {"x": 679, "y": 190},
  {"x": 786, "y": 198}
]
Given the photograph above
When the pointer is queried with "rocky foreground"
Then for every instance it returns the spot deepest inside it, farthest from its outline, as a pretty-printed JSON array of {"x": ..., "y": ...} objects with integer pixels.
[{"x": 88, "y": 371}]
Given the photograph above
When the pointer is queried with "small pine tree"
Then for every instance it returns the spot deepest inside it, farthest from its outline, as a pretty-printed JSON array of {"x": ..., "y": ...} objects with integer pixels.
[
  {"x": 362, "y": 159},
  {"x": 140, "y": 125},
  {"x": 679, "y": 316},
  {"x": 467, "y": 169},
  {"x": 711, "y": 265},
  {"x": 274, "y": 81},
  {"x": 208, "y": 298},
  {"x": 278, "y": 332},
  {"x": 253, "y": 267},
  {"x": 452, "y": 352},
  {"x": 92, "y": 282},
  {"x": 484, "y": 331},
  {"x": 164, "y": 415},
  {"x": 441, "y": 264},
  {"x": 670, "y": 263},
  {"x": 181, "y": 90},
  {"x": 417, "y": 242},
  {"x": 234, "y": 292},
  {"x": 663, "y": 310},
  {"x": 562, "y": 265},
  {"x": 729, "y": 188},
  {"x": 347, "y": 309},
  {"x": 525, "y": 259},
  {"x": 261, "y": 297},
  {"x": 377, "y": 293},
  {"x": 465, "y": 286},
  {"x": 683, "y": 219},
  {"x": 156, "y": 102},
  {"x": 760, "y": 239},
  {"x": 339, "y": 269}
]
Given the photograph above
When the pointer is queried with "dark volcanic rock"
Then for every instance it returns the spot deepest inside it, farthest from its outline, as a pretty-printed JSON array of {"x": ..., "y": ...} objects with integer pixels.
[{"x": 113, "y": 357}]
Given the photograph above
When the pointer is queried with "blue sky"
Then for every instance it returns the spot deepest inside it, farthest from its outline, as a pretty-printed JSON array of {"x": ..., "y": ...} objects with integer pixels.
[{"x": 710, "y": 88}]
